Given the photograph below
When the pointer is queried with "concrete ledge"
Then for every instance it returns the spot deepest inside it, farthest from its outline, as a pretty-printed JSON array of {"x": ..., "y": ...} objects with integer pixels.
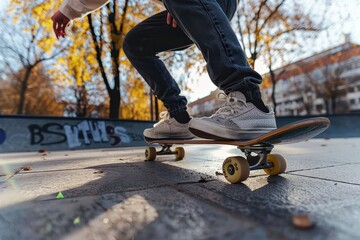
[{"x": 29, "y": 133}]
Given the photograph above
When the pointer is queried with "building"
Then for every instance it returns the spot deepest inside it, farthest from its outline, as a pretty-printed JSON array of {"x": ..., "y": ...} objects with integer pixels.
[
  {"x": 325, "y": 83},
  {"x": 207, "y": 105}
]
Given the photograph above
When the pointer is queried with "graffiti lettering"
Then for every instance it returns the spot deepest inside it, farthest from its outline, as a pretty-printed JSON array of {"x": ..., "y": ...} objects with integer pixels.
[
  {"x": 86, "y": 130},
  {"x": 2, "y": 136},
  {"x": 47, "y": 134},
  {"x": 23, "y": 133}
]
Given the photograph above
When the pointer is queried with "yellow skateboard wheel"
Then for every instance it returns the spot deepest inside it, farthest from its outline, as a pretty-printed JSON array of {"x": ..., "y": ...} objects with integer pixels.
[
  {"x": 236, "y": 169},
  {"x": 150, "y": 154},
  {"x": 179, "y": 153},
  {"x": 279, "y": 164}
]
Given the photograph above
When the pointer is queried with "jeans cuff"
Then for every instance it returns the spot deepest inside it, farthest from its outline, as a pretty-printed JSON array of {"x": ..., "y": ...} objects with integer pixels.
[{"x": 177, "y": 110}]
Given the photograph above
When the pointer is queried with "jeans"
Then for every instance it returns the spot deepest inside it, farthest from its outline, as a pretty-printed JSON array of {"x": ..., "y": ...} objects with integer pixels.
[{"x": 201, "y": 22}]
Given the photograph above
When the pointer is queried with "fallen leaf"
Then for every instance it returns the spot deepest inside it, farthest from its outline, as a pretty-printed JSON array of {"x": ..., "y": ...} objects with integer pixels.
[
  {"x": 302, "y": 221},
  {"x": 41, "y": 150},
  {"x": 60, "y": 195},
  {"x": 76, "y": 220},
  {"x": 28, "y": 168}
]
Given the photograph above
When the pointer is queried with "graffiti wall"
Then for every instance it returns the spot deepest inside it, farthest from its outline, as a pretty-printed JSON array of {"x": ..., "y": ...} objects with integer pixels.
[
  {"x": 32, "y": 133},
  {"x": 19, "y": 134}
]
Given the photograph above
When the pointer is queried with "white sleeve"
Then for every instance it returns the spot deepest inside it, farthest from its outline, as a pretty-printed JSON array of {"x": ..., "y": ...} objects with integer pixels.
[
  {"x": 80, "y": 8},
  {"x": 159, "y": 2}
]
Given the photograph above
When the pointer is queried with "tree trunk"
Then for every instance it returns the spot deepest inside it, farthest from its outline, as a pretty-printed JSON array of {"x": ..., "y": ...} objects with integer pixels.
[
  {"x": 273, "y": 81},
  {"x": 156, "y": 108},
  {"x": 114, "y": 103},
  {"x": 328, "y": 106},
  {"x": 151, "y": 106},
  {"x": 24, "y": 85},
  {"x": 333, "y": 104}
]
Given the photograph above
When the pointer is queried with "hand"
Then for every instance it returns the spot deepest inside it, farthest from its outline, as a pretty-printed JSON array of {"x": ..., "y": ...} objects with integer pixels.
[
  {"x": 60, "y": 22},
  {"x": 170, "y": 20}
]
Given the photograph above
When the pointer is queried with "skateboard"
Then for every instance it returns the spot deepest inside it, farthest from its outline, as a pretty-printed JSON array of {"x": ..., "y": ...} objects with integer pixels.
[{"x": 257, "y": 151}]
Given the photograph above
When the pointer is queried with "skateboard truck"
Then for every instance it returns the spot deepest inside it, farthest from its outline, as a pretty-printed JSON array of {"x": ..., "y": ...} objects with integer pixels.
[
  {"x": 259, "y": 161},
  {"x": 150, "y": 153},
  {"x": 165, "y": 150}
]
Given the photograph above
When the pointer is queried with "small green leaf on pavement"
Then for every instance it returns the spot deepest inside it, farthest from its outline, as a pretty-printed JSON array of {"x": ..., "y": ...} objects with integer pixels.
[
  {"x": 77, "y": 220},
  {"x": 60, "y": 195}
]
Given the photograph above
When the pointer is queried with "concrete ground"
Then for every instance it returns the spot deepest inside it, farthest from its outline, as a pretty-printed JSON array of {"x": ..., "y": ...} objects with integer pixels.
[{"x": 115, "y": 194}]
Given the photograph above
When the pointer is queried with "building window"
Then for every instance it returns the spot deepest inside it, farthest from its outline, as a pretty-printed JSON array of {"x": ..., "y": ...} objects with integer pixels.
[{"x": 352, "y": 101}]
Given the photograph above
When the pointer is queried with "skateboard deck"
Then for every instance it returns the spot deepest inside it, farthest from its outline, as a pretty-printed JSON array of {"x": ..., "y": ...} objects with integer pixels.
[{"x": 237, "y": 169}]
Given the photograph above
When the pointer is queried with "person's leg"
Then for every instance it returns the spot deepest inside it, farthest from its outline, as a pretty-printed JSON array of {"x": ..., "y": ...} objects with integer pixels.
[
  {"x": 141, "y": 46},
  {"x": 206, "y": 23}
]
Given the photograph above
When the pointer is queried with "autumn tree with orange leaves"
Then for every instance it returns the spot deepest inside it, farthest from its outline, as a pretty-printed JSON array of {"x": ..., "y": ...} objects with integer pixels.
[{"x": 93, "y": 50}]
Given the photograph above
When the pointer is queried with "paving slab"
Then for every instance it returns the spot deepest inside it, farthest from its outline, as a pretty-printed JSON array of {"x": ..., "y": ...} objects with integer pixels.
[
  {"x": 348, "y": 173},
  {"x": 275, "y": 200}
]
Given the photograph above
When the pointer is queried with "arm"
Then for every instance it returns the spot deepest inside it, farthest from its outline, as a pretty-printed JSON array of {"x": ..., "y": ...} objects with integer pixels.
[
  {"x": 71, "y": 9},
  {"x": 79, "y": 8},
  {"x": 169, "y": 19},
  {"x": 157, "y": 2}
]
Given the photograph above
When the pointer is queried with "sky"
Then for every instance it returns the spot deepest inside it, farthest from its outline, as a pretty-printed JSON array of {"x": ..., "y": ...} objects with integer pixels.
[{"x": 342, "y": 18}]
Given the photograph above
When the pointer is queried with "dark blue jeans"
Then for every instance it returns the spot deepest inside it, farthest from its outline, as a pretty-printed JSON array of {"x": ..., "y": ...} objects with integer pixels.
[{"x": 205, "y": 23}]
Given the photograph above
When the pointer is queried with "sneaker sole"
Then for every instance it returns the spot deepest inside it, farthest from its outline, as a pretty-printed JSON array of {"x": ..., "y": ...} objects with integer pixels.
[
  {"x": 223, "y": 133},
  {"x": 164, "y": 136},
  {"x": 147, "y": 139}
]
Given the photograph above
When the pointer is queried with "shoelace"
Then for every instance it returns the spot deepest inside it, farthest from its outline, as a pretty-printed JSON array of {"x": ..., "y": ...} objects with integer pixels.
[
  {"x": 164, "y": 117},
  {"x": 229, "y": 105}
]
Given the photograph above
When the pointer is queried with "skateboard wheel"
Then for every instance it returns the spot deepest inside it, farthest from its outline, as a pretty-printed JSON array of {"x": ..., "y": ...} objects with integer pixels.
[
  {"x": 150, "y": 154},
  {"x": 279, "y": 164},
  {"x": 236, "y": 169},
  {"x": 179, "y": 153}
]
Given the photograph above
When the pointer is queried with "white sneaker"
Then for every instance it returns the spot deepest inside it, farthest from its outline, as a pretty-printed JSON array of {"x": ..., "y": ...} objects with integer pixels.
[
  {"x": 238, "y": 119},
  {"x": 168, "y": 128}
]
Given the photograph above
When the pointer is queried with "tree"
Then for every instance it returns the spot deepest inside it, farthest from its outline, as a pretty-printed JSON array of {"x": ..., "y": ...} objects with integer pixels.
[
  {"x": 135, "y": 98},
  {"x": 306, "y": 94},
  {"x": 108, "y": 28},
  {"x": 327, "y": 81},
  {"x": 26, "y": 45},
  {"x": 93, "y": 52},
  {"x": 76, "y": 76},
  {"x": 272, "y": 29},
  {"x": 40, "y": 89}
]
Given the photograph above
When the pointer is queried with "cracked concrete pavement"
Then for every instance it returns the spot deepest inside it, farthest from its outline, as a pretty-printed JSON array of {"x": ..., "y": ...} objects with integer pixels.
[{"x": 115, "y": 194}]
